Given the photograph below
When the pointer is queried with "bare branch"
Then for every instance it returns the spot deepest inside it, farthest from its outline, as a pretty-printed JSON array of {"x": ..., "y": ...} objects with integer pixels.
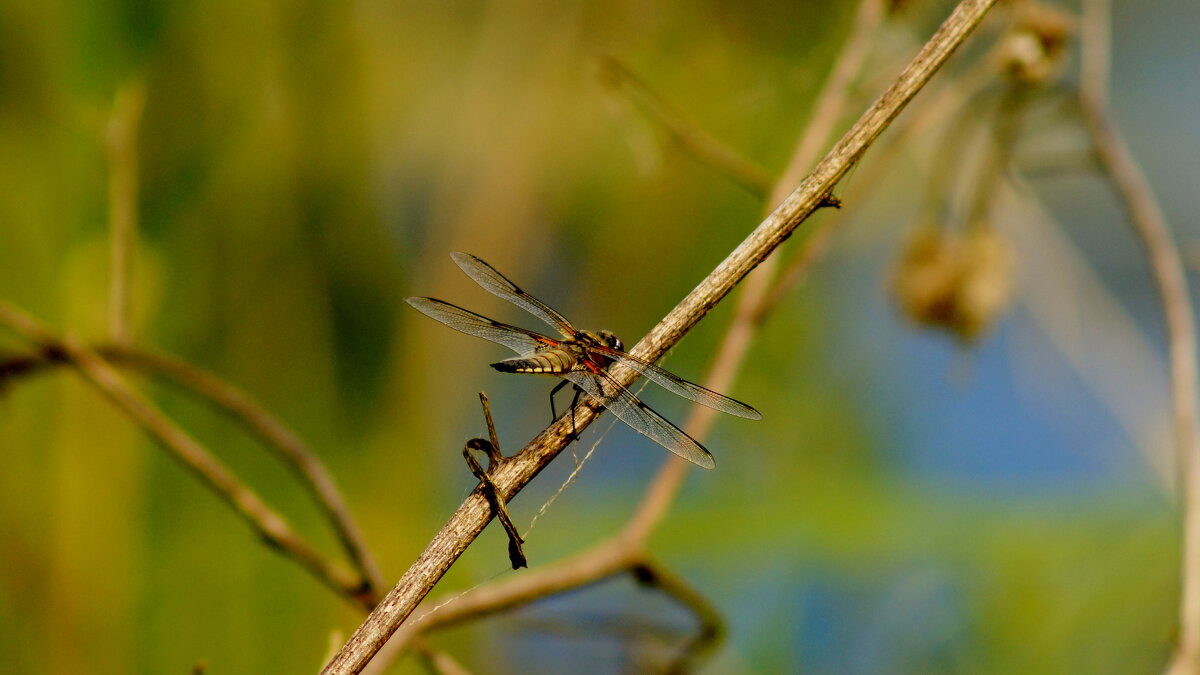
[
  {"x": 475, "y": 512},
  {"x": 1166, "y": 263},
  {"x": 272, "y": 527},
  {"x": 1095, "y": 57},
  {"x": 241, "y": 407},
  {"x": 278, "y": 438},
  {"x": 120, "y": 140}
]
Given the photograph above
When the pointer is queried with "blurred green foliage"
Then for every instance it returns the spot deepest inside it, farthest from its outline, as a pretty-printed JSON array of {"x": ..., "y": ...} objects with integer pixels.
[{"x": 304, "y": 166}]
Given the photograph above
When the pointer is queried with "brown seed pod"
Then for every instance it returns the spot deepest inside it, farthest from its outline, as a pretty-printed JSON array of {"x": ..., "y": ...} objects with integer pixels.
[
  {"x": 1034, "y": 50},
  {"x": 956, "y": 281}
]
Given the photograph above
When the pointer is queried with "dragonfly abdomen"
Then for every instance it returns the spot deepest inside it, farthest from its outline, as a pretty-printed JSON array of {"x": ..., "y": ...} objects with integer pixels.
[{"x": 549, "y": 362}]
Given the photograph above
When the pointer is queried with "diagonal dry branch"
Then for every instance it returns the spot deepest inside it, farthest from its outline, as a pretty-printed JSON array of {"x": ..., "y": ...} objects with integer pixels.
[
  {"x": 473, "y": 515},
  {"x": 278, "y": 438},
  {"x": 272, "y": 527},
  {"x": 1166, "y": 264},
  {"x": 243, "y": 409},
  {"x": 627, "y": 549}
]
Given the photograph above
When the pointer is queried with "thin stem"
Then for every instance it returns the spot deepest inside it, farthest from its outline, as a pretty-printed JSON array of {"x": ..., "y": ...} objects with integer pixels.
[
  {"x": 272, "y": 527},
  {"x": 473, "y": 515},
  {"x": 1166, "y": 263},
  {"x": 943, "y": 104},
  {"x": 694, "y": 141},
  {"x": 121, "y": 145},
  {"x": 516, "y": 555},
  {"x": 1167, "y": 267},
  {"x": 1095, "y": 57},
  {"x": 242, "y": 408},
  {"x": 278, "y": 438},
  {"x": 834, "y": 94},
  {"x": 998, "y": 155}
]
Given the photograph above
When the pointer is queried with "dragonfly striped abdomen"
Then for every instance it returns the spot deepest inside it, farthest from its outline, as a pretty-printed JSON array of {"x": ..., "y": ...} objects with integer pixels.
[
  {"x": 558, "y": 361},
  {"x": 566, "y": 356}
]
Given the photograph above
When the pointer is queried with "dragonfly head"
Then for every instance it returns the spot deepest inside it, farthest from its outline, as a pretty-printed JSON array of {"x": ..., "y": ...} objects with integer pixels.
[{"x": 609, "y": 339}]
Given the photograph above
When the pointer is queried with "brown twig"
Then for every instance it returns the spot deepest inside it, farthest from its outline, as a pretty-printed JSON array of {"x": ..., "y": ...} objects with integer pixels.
[
  {"x": 1095, "y": 57},
  {"x": 279, "y": 439},
  {"x": 272, "y": 527},
  {"x": 941, "y": 105},
  {"x": 1166, "y": 264},
  {"x": 254, "y": 417},
  {"x": 120, "y": 141},
  {"x": 1007, "y": 124},
  {"x": 466, "y": 523},
  {"x": 628, "y": 547}
]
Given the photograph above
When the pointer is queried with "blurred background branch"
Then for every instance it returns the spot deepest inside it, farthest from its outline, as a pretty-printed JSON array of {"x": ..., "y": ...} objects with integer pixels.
[
  {"x": 272, "y": 527},
  {"x": 247, "y": 412},
  {"x": 120, "y": 140},
  {"x": 1118, "y": 165}
]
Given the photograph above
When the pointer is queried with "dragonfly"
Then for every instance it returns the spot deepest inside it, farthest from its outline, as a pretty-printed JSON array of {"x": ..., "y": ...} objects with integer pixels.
[{"x": 580, "y": 358}]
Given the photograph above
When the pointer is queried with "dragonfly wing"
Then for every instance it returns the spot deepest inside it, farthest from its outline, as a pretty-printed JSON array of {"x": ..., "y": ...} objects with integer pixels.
[
  {"x": 622, "y": 403},
  {"x": 497, "y": 284},
  {"x": 677, "y": 385},
  {"x": 519, "y": 340}
]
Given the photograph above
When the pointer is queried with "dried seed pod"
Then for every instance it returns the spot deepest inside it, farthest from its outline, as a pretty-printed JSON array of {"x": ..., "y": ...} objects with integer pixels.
[
  {"x": 957, "y": 281},
  {"x": 1035, "y": 48}
]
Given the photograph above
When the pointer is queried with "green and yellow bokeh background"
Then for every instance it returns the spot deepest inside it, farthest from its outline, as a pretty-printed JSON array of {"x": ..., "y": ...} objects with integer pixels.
[{"x": 304, "y": 166}]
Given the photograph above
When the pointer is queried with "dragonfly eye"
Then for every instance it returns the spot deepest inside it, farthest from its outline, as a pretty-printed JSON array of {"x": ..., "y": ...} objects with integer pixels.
[{"x": 612, "y": 340}]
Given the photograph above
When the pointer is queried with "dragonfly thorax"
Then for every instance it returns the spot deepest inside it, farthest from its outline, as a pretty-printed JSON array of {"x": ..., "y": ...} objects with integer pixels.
[{"x": 606, "y": 338}]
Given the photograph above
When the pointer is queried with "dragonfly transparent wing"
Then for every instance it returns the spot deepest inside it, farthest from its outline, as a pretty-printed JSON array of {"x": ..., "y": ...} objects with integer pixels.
[
  {"x": 677, "y": 385},
  {"x": 519, "y": 340},
  {"x": 497, "y": 284},
  {"x": 622, "y": 403}
]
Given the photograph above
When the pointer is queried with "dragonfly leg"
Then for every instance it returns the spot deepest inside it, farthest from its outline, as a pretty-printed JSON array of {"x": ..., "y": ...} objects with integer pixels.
[
  {"x": 516, "y": 555},
  {"x": 574, "y": 401},
  {"x": 555, "y": 390}
]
